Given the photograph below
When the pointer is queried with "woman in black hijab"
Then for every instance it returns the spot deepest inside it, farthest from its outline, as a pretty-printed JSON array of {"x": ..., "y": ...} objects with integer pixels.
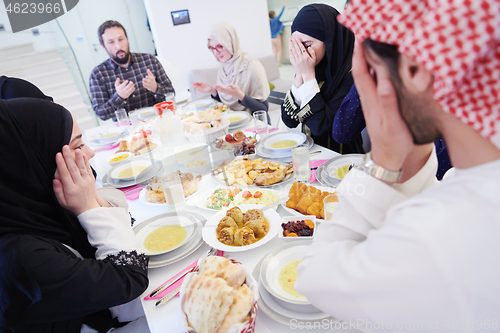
[
  {"x": 67, "y": 266},
  {"x": 11, "y": 87},
  {"x": 321, "y": 53}
]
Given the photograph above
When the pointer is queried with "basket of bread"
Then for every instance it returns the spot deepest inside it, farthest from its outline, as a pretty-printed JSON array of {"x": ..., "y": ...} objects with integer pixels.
[
  {"x": 221, "y": 297},
  {"x": 205, "y": 126}
]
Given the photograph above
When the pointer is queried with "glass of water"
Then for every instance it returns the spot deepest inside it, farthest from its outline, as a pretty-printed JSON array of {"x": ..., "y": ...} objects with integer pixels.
[
  {"x": 261, "y": 127},
  {"x": 134, "y": 118},
  {"x": 301, "y": 164},
  {"x": 122, "y": 117}
]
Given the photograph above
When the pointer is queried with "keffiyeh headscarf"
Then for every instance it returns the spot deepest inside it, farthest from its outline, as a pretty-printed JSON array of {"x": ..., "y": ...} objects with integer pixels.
[{"x": 457, "y": 40}]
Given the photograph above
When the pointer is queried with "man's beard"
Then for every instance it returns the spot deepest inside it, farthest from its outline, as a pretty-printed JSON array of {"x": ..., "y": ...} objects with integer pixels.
[
  {"x": 121, "y": 61},
  {"x": 416, "y": 114}
]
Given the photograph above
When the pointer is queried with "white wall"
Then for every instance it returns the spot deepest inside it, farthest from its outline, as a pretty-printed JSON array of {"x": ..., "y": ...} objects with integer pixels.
[
  {"x": 294, "y": 6},
  {"x": 185, "y": 46}
]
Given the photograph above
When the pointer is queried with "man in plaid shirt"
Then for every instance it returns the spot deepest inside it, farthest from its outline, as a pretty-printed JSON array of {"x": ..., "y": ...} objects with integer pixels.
[{"x": 126, "y": 80}]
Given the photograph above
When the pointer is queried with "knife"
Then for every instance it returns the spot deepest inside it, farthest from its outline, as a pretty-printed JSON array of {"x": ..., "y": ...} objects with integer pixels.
[{"x": 166, "y": 298}]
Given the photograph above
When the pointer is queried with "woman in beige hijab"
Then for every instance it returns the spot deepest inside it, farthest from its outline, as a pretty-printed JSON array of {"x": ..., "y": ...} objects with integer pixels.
[{"x": 241, "y": 80}]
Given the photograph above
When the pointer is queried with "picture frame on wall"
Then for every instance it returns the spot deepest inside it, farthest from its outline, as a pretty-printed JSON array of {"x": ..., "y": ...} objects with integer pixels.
[{"x": 180, "y": 17}]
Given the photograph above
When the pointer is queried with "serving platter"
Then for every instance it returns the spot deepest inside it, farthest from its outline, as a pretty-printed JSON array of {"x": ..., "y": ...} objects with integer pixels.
[
  {"x": 293, "y": 212},
  {"x": 210, "y": 236},
  {"x": 202, "y": 200},
  {"x": 288, "y": 177},
  {"x": 183, "y": 251}
]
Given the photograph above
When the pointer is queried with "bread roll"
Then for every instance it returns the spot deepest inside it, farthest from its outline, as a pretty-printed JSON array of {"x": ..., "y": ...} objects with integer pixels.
[
  {"x": 238, "y": 313},
  {"x": 220, "y": 267},
  {"x": 206, "y": 303}
]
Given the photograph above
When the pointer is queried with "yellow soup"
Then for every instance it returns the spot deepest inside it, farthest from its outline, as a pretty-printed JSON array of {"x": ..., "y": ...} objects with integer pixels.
[
  {"x": 284, "y": 144},
  {"x": 287, "y": 277},
  {"x": 233, "y": 119},
  {"x": 165, "y": 238},
  {"x": 342, "y": 171},
  {"x": 132, "y": 171},
  {"x": 118, "y": 158}
]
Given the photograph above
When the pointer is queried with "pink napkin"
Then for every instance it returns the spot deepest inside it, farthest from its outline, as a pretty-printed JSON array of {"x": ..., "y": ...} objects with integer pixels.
[
  {"x": 132, "y": 196},
  {"x": 254, "y": 129},
  {"x": 106, "y": 148},
  {"x": 314, "y": 165},
  {"x": 177, "y": 283}
]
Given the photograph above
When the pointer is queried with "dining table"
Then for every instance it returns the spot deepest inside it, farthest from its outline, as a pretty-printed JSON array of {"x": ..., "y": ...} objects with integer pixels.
[{"x": 166, "y": 318}]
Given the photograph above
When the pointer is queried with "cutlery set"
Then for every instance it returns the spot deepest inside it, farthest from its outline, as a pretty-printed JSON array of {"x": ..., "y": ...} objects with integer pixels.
[{"x": 166, "y": 298}]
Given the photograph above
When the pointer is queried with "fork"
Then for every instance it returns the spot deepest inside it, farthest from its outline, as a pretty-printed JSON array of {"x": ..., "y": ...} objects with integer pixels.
[{"x": 164, "y": 299}]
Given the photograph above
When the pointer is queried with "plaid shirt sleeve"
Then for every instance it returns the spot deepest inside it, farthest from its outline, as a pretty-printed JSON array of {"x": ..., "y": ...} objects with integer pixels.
[
  {"x": 162, "y": 80},
  {"x": 104, "y": 105}
]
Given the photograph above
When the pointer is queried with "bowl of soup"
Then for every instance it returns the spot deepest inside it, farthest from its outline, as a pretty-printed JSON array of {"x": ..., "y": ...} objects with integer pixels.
[
  {"x": 130, "y": 170},
  {"x": 283, "y": 140},
  {"x": 165, "y": 233},
  {"x": 279, "y": 273},
  {"x": 237, "y": 118}
]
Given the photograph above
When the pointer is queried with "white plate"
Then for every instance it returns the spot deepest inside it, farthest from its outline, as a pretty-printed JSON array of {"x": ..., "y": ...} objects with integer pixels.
[
  {"x": 273, "y": 264},
  {"x": 153, "y": 171},
  {"x": 298, "y": 137},
  {"x": 264, "y": 152},
  {"x": 267, "y": 304},
  {"x": 323, "y": 180},
  {"x": 201, "y": 104},
  {"x": 287, "y": 178},
  {"x": 335, "y": 163},
  {"x": 210, "y": 236},
  {"x": 114, "y": 172},
  {"x": 293, "y": 212},
  {"x": 239, "y": 125},
  {"x": 190, "y": 226},
  {"x": 142, "y": 195},
  {"x": 146, "y": 113},
  {"x": 182, "y": 252},
  {"x": 108, "y": 136},
  {"x": 237, "y": 114},
  {"x": 202, "y": 200}
]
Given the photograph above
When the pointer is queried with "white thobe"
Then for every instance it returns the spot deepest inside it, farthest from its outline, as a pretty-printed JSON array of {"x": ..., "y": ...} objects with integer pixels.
[{"x": 394, "y": 260}]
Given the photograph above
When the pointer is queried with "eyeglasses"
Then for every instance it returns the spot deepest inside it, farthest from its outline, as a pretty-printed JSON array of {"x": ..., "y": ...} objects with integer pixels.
[{"x": 219, "y": 48}]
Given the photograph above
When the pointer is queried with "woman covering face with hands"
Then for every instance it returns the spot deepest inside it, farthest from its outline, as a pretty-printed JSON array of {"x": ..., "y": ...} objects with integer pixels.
[
  {"x": 241, "y": 80},
  {"x": 70, "y": 260},
  {"x": 321, "y": 53}
]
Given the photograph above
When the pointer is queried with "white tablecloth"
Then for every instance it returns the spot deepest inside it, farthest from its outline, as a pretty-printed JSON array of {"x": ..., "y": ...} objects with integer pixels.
[{"x": 165, "y": 318}]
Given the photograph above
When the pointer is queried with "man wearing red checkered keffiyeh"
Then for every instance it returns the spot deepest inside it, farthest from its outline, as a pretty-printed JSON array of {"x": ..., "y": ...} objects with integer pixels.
[{"x": 415, "y": 256}]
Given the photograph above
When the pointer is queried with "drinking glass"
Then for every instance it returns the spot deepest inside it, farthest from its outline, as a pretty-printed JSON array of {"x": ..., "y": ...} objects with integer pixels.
[
  {"x": 134, "y": 118},
  {"x": 122, "y": 117},
  {"x": 261, "y": 127},
  {"x": 301, "y": 164},
  {"x": 170, "y": 97},
  {"x": 330, "y": 203},
  {"x": 174, "y": 195}
]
